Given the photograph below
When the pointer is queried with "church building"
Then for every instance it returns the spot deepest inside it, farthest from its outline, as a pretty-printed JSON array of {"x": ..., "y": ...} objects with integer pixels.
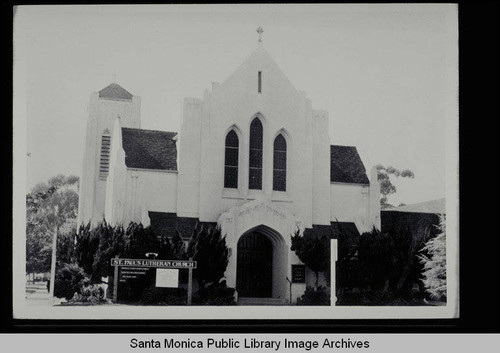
[{"x": 252, "y": 155}]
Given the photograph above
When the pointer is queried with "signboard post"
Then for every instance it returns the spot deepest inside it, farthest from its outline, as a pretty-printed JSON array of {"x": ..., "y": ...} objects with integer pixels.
[
  {"x": 132, "y": 268},
  {"x": 190, "y": 284},
  {"x": 115, "y": 283}
]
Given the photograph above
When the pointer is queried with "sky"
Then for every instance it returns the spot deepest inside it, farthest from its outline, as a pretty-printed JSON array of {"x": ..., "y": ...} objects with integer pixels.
[{"x": 385, "y": 73}]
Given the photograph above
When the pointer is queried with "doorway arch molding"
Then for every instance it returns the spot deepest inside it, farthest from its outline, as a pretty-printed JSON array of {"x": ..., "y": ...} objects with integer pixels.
[{"x": 275, "y": 223}]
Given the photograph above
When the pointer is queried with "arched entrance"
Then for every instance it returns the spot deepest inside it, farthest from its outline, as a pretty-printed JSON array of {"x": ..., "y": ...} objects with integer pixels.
[{"x": 254, "y": 276}]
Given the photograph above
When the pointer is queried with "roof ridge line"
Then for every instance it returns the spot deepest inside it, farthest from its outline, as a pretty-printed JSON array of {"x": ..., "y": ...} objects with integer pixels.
[
  {"x": 342, "y": 146},
  {"x": 133, "y": 128}
]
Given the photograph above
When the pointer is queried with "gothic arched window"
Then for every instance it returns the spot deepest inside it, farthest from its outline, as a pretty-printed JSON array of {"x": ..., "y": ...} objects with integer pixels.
[
  {"x": 255, "y": 165},
  {"x": 231, "y": 160},
  {"x": 279, "y": 164}
]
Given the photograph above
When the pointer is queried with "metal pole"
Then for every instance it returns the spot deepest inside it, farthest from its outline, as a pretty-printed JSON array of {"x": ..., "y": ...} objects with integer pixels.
[
  {"x": 333, "y": 268},
  {"x": 53, "y": 265},
  {"x": 190, "y": 284},
  {"x": 290, "y": 289},
  {"x": 115, "y": 283}
]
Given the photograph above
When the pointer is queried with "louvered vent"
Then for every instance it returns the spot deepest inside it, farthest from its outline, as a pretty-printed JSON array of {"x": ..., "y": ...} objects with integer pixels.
[{"x": 105, "y": 150}]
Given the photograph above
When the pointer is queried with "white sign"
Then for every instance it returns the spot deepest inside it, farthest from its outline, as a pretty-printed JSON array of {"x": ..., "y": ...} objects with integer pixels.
[{"x": 167, "y": 278}]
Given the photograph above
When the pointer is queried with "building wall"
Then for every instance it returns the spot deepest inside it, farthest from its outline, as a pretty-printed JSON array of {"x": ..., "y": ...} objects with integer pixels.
[
  {"x": 102, "y": 115},
  {"x": 234, "y": 104},
  {"x": 349, "y": 204},
  {"x": 131, "y": 193},
  {"x": 321, "y": 209},
  {"x": 188, "y": 161},
  {"x": 140, "y": 191}
]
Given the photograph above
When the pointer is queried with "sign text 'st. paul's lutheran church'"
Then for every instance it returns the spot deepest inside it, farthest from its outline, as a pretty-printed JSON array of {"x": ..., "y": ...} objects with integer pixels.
[{"x": 252, "y": 156}]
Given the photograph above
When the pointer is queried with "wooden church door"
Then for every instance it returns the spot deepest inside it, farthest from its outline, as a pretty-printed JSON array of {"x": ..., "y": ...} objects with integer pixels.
[{"x": 254, "y": 266}]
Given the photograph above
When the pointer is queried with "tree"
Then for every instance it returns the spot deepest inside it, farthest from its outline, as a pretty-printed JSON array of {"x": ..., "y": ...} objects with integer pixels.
[
  {"x": 208, "y": 248},
  {"x": 111, "y": 242},
  {"x": 86, "y": 248},
  {"x": 70, "y": 279},
  {"x": 50, "y": 208},
  {"x": 139, "y": 241},
  {"x": 376, "y": 259},
  {"x": 386, "y": 186},
  {"x": 347, "y": 269},
  {"x": 66, "y": 241},
  {"x": 313, "y": 250},
  {"x": 434, "y": 275},
  {"x": 178, "y": 247}
]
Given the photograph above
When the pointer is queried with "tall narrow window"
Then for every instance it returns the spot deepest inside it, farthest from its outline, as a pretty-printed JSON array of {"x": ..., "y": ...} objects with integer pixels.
[
  {"x": 279, "y": 164},
  {"x": 255, "y": 167},
  {"x": 104, "y": 163},
  {"x": 231, "y": 160},
  {"x": 259, "y": 85}
]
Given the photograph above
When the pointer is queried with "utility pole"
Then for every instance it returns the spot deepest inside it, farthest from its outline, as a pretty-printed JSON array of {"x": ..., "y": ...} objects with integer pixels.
[{"x": 53, "y": 262}]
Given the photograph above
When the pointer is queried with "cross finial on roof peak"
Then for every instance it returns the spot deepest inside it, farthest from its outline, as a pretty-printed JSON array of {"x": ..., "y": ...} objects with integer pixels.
[{"x": 260, "y": 31}]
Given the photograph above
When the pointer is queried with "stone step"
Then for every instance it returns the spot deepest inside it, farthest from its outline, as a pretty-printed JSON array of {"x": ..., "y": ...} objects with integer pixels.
[{"x": 261, "y": 301}]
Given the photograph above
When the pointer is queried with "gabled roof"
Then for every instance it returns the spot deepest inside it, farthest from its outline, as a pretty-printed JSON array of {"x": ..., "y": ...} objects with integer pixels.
[
  {"x": 346, "y": 166},
  {"x": 349, "y": 228},
  {"x": 149, "y": 149},
  {"x": 165, "y": 224},
  {"x": 114, "y": 91},
  {"x": 432, "y": 206},
  {"x": 320, "y": 230},
  {"x": 258, "y": 60}
]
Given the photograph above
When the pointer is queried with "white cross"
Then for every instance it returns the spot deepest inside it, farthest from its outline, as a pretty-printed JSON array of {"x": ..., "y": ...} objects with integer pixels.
[{"x": 260, "y": 30}]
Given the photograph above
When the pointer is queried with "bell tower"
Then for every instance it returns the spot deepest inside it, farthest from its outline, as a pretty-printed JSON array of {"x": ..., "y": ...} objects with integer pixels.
[{"x": 111, "y": 103}]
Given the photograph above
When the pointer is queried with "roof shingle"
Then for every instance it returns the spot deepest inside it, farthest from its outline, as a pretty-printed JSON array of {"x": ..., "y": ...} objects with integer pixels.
[
  {"x": 165, "y": 224},
  {"x": 433, "y": 206},
  {"x": 149, "y": 149},
  {"x": 349, "y": 228},
  {"x": 114, "y": 91},
  {"x": 346, "y": 166}
]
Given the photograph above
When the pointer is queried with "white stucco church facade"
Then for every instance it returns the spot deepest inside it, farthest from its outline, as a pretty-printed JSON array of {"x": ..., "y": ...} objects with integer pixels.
[{"x": 252, "y": 156}]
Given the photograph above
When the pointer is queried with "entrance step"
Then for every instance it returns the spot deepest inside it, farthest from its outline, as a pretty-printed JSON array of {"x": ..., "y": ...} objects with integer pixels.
[{"x": 261, "y": 301}]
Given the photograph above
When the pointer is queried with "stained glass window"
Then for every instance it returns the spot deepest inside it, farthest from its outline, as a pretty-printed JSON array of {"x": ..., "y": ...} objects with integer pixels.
[
  {"x": 279, "y": 164},
  {"x": 255, "y": 167},
  {"x": 231, "y": 160}
]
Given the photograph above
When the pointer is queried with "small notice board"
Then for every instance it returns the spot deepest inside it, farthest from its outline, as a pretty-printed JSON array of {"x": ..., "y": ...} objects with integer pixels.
[
  {"x": 167, "y": 278},
  {"x": 298, "y": 273}
]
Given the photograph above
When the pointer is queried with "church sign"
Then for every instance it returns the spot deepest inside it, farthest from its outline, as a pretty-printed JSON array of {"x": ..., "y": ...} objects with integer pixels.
[
  {"x": 180, "y": 264},
  {"x": 127, "y": 273},
  {"x": 167, "y": 272}
]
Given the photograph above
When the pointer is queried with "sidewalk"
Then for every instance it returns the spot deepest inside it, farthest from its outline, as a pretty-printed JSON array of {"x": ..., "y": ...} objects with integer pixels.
[{"x": 37, "y": 295}]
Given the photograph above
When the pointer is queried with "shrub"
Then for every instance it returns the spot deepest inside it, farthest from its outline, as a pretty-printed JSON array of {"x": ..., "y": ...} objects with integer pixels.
[
  {"x": 90, "y": 293},
  {"x": 314, "y": 250},
  {"x": 376, "y": 259},
  {"x": 111, "y": 243},
  {"x": 321, "y": 296},
  {"x": 434, "y": 263},
  {"x": 357, "y": 296},
  {"x": 208, "y": 248},
  {"x": 139, "y": 241},
  {"x": 69, "y": 280},
  {"x": 86, "y": 248},
  {"x": 164, "y": 296},
  {"x": 215, "y": 294},
  {"x": 381, "y": 261}
]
